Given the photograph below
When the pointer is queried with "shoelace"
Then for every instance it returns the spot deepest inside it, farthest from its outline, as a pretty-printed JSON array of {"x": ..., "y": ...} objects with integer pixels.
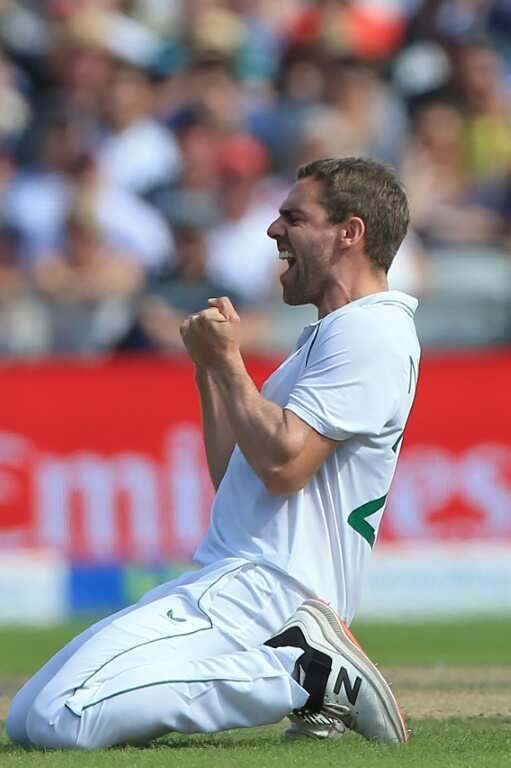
[
  {"x": 337, "y": 712},
  {"x": 330, "y": 714}
]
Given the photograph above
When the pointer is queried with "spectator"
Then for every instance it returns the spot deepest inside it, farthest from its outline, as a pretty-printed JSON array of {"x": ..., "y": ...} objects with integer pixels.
[
  {"x": 450, "y": 20},
  {"x": 24, "y": 323},
  {"x": 300, "y": 93},
  {"x": 195, "y": 195},
  {"x": 369, "y": 30},
  {"x": 126, "y": 222},
  {"x": 39, "y": 193},
  {"x": 372, "y": 114},
  {"x": 487, "y": 97},
  {"x": 14, "y": 109},
  {"x": 139, "y": 153},
  {"x": 241, "y": 256},
  {"x": 181, "y": 291},
  {"x": 442, "y": 193},
  {"x": 7, "y": 171},
  {"x": 38, "y": 202},
  {"x": 154, "y": 116},
  {"x": 434, "y": 168},
  {"x": 88, "y": 288},
  {"x": 82, "y": 73}
]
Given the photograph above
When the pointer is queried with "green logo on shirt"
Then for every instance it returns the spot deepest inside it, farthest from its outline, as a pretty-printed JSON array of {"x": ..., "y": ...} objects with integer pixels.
[{"x": 358, "y": 521}]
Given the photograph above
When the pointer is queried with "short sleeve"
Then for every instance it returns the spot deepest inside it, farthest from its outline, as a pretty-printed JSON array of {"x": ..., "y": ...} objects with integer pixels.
[{"x": 352, "y": 379}]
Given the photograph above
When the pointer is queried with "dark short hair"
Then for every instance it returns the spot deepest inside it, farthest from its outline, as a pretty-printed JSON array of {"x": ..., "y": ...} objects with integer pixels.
[{"x": 361, "y": 187}]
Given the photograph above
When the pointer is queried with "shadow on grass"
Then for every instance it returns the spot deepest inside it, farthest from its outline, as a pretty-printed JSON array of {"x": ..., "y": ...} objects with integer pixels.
[{"x": 222, "y": 743}]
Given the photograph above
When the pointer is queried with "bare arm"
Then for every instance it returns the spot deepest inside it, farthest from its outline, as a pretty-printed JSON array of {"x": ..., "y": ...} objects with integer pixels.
[
  {"x": 218, "y": 436},
  {"x": 282, "y": 449}
]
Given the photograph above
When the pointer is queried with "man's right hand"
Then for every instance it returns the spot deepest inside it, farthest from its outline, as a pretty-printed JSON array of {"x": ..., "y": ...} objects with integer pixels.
[{"x": 212, "y": 337}]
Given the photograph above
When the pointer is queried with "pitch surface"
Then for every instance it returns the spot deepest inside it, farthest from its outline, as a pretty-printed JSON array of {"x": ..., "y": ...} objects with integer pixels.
[{"x": 453, "y": 680}]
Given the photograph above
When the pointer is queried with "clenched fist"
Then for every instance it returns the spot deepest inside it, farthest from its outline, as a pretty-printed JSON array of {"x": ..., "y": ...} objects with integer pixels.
[{"x": 212, "y": 336}]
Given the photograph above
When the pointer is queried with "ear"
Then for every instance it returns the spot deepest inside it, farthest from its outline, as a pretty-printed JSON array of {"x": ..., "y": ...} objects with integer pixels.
[{"x": 351, "y": 231}]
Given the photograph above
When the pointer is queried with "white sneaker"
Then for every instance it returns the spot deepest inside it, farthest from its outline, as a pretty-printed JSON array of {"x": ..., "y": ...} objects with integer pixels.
[{"x": 343, "y": 682}]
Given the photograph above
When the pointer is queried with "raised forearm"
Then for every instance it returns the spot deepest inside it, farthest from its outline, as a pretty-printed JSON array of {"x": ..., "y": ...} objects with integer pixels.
[
  {"x": 260, "y": 427},
  {"x": 233, "y": 410},
  {"x": 218, "y": 436}
]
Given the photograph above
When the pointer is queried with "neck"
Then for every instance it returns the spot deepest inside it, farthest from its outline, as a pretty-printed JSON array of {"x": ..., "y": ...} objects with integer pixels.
[{"x": 343, "y": 292}]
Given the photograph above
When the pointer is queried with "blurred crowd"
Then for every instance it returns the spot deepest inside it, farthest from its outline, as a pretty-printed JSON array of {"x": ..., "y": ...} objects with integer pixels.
[{"x": 145, "y": 146}]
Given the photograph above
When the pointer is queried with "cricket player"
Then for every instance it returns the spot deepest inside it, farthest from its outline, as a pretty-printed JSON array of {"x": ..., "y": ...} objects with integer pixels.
[{"x": 302, "y": 471}]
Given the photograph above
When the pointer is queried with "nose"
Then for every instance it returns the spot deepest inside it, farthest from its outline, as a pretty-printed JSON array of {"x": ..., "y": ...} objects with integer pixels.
[{"x": 276, "y": 229}]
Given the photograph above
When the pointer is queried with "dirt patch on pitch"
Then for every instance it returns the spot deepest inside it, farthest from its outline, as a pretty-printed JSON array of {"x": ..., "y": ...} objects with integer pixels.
[{"x": 452, "y": 691}]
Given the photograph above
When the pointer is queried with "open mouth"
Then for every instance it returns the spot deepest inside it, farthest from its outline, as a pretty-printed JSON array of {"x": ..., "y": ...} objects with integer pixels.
[{"x": 291, "y": 260}]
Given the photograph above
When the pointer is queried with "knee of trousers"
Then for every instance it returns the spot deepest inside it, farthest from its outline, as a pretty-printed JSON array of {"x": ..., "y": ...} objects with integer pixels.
[
  {"x": 50, "y": 725},
  {"x": 15, "y": 724}
]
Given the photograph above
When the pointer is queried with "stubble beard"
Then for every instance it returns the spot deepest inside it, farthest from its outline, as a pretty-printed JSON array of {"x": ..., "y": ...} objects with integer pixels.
[
  {"x": 294, "y": 291},
  {"x": 305, "y": 288}
]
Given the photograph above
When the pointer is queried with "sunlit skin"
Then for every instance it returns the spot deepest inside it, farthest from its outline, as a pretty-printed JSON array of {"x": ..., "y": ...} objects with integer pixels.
[{"x": 328, "y": 266}]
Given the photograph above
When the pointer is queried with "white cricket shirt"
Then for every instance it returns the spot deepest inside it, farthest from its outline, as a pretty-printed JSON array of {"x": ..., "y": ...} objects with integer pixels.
[{"x": 352, "y": 377}]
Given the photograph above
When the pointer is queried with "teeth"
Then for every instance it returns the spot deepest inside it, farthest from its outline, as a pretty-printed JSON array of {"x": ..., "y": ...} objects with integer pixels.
[{"x": 285, "y": 255}]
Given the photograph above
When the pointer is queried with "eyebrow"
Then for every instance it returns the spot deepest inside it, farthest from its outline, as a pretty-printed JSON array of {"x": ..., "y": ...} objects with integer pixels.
[{"x": 290, "y": 211}]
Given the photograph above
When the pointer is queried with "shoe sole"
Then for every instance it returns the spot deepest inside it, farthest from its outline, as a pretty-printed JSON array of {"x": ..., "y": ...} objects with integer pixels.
[
  {"x": 337, "y": 634},
  {"x": 290, "y": 735}
]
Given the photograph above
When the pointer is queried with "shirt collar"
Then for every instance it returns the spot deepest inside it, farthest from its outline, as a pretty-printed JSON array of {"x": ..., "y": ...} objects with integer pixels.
[{"x": 373, "y": 298}]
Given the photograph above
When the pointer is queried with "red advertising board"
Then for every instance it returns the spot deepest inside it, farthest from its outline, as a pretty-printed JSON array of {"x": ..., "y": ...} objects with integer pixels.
[{"x": 104, "y": 460}]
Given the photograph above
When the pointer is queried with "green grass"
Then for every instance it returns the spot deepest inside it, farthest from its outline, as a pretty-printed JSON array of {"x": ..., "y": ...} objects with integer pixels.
[
  {"x": 453, "y": 743},
  {"x": 462, "y": 642},
  {"x": 24, "y": 650},
  {"x": 449, "y": 743},
  {"x": 471, "y": 641}
]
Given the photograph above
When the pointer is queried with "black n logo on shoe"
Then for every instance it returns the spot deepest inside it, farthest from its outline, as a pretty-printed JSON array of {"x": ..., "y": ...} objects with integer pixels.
[{"x": 351, "y": 691}]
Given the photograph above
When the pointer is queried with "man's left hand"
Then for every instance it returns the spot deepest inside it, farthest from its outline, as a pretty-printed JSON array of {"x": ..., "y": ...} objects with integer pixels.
[{"x": 212, "y": 337}]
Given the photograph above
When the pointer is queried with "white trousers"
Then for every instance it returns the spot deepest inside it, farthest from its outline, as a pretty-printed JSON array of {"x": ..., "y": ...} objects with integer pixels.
[{"x": 188, "y": 657}]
